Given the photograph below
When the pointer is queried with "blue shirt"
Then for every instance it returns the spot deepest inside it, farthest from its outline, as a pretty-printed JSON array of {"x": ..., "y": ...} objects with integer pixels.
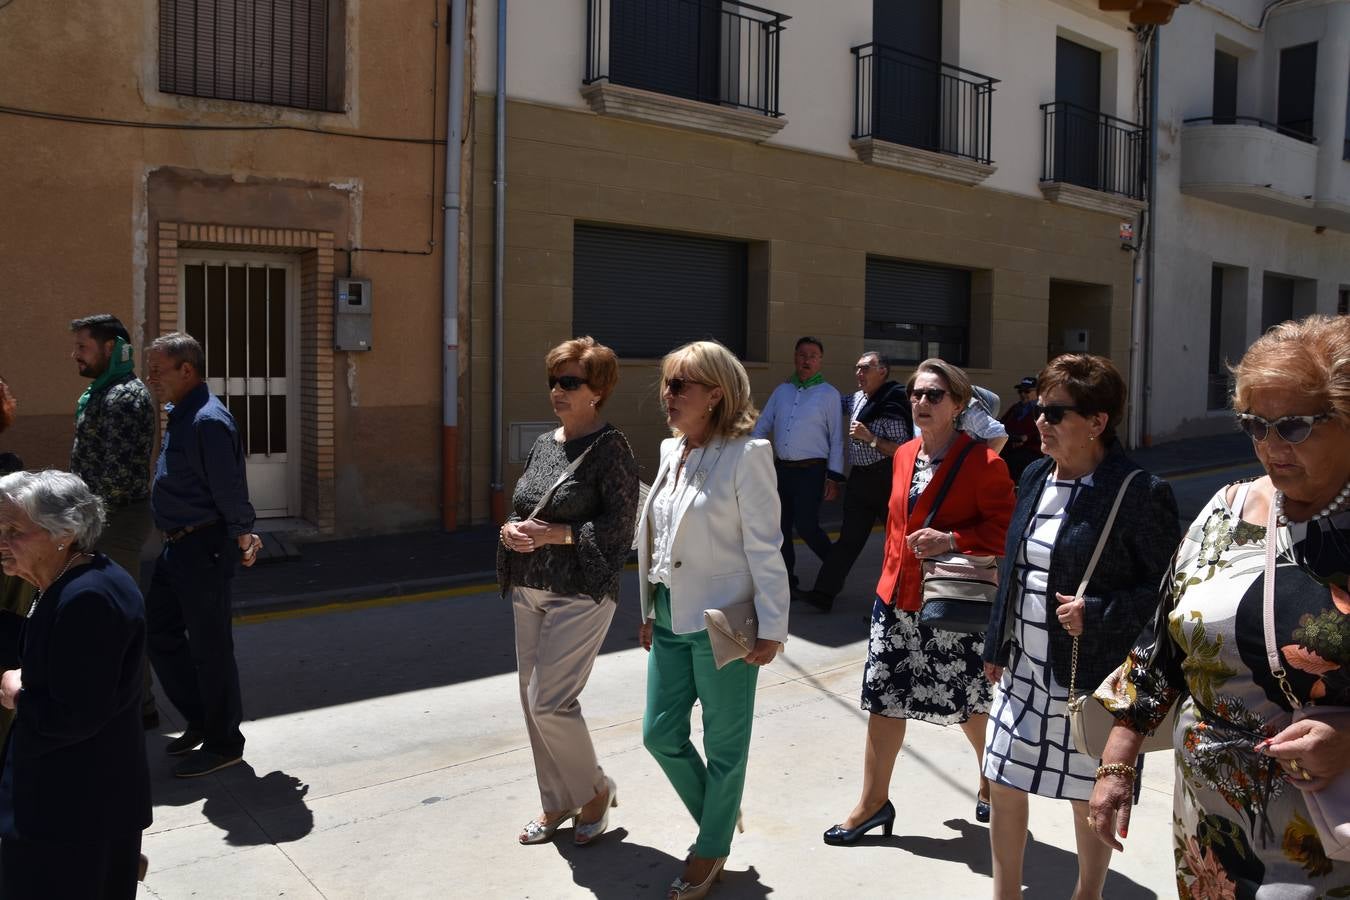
[
  {"x": 805, "y": 423},
  {"x": 199, "y": 477}
]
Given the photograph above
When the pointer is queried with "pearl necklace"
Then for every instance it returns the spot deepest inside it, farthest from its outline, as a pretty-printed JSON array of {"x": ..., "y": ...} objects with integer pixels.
[
  {"x": 37, "y": 596},
  {"x": 1336, "y": 505}
]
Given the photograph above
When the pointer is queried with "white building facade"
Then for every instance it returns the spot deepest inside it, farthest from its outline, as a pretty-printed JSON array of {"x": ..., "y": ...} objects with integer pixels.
[{"x": 1253, "y": 193}]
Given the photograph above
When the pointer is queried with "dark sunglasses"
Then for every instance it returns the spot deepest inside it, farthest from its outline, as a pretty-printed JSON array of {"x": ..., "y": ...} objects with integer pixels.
[
  {"x": 566, "y": 382},
  {"x": 866, "y": 367},
  {"x": 677, "y": 386},
  {"x": 1291, "y": 429},
  {"x": 1054, "y": 413},
  {"x": 932, "y": 395}
]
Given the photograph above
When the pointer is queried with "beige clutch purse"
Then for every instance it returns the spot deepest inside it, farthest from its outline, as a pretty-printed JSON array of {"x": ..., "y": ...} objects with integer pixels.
[{"x": 731, "y": 631}]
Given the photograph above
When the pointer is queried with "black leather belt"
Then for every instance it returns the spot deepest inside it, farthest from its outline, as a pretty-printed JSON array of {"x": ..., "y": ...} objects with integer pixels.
[
  {"x": 179, "y": 533},
  {"x": 800, "y": 463}
]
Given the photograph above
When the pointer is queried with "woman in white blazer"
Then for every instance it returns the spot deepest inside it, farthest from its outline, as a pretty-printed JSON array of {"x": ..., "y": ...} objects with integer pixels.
[{"x": 708, "y": 538}]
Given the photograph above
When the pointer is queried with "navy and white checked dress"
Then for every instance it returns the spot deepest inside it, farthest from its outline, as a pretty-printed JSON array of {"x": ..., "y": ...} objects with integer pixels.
[{"x": 1028, "y": 744}]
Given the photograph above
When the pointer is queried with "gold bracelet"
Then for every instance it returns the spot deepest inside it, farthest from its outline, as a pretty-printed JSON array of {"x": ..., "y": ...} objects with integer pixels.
[
  {"x": 1125, "y": 769},
  {"x": 567, "y": 535}
]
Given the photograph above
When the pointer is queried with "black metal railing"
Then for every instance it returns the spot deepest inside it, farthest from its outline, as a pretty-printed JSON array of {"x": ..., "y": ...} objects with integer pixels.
[
  {"x": 1093, "y": 150},
  {"x": 1252, "y": 120},
  {"x": 919, "y": 102},
  {"x": 713, "y": 51}
]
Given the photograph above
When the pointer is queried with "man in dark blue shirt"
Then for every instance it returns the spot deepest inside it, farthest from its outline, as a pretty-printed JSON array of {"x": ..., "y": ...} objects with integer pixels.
[{"x": 200, "y": 502}]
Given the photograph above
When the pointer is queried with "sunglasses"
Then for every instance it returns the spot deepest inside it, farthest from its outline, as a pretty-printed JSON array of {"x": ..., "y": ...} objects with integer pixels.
[
  {"x": 677, "y": 386},
  {"x": 866, "y": 367},
  {"x": 932, "y": 395},
  {"x": 566, "y": 382},
  {"x": 1291, "y": 429},
  {"x": 1054, "y": 412}
]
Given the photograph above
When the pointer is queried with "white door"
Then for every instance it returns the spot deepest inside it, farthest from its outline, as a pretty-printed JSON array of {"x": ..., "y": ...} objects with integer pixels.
[{"x": 241, "y": 309}]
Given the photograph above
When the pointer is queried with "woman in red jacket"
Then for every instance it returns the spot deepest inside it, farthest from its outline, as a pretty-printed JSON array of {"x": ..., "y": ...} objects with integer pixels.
[{"x": 913, "y": 671}]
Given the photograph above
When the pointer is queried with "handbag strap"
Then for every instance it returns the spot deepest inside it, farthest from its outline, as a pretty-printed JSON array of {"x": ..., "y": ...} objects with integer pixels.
[
  {"x": 1091, "y": 568},
  {"x": 1268, "y": 606},
  {"x": 571, "y": 467},
  {"x": 946, "y": 484}
]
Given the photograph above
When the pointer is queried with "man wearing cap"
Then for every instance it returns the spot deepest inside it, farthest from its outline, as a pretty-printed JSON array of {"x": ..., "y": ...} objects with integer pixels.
[{"x": 1024, "y": 439}]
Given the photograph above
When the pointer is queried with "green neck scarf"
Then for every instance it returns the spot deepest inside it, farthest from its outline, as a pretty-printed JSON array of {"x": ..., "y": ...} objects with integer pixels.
[
  {"x": 120, "y": 364},
  {"x": 818, "y": 378}
]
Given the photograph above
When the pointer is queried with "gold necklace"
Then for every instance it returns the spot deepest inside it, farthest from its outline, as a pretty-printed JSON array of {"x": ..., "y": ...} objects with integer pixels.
[{"x": 37, "y": 596}]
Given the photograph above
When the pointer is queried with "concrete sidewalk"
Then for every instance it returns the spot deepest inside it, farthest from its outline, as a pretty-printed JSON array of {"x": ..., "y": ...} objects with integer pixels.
[
  {"x": 388, "y": 759},
  {"x": 413, "y": 563}
]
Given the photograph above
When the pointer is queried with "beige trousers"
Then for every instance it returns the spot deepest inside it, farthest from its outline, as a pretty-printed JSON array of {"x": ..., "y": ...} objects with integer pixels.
[{"x": 557, "y": 639}]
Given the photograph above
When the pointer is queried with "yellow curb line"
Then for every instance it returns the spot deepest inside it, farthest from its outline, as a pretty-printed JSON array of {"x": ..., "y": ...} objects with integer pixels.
[{"x": 324, "y": 609}]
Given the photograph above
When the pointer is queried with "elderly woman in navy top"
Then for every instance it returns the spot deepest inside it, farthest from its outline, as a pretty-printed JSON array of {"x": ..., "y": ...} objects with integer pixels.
[
  {"x": 74, "y": 790},
  {"x": 1029, "y": 651}
]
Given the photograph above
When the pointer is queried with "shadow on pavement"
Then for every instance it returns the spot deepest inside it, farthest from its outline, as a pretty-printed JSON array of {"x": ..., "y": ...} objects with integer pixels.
[
  {"x": 1046, "y": 872},
  {"x": 622, "y": 870}
]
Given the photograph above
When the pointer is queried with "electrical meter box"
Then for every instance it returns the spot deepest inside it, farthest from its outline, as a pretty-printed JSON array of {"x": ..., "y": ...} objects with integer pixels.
[
  {"x": 351, "y": 324},
  {"x": 1076, "y": 340}
]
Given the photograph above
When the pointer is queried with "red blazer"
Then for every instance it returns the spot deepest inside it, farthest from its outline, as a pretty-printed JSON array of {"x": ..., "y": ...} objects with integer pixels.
[{"x": 977, "y": 508}]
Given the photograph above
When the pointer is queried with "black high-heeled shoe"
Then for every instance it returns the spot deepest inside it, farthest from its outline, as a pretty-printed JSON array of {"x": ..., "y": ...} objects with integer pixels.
[
  {"x": 981, "y": 809},
  {"x": 885, "y": 817}
]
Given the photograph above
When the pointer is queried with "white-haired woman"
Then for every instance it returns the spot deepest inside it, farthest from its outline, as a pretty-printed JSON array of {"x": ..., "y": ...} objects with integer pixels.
[
  {"x": 708, "y": 539},
  {"x": 75, "y": 787}
]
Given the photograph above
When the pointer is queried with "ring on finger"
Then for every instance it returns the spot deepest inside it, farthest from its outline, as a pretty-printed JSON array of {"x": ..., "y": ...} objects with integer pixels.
[
  {"x": 1297, "y": 769},
  {"x": 1091, "y": 823}
]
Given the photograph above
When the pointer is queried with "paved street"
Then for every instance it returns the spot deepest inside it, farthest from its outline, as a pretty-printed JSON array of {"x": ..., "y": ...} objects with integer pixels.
[{"x": 388, "y": 759}]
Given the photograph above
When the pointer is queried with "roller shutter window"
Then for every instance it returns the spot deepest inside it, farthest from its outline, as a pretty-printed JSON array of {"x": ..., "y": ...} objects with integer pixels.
[
  {"x": 915, "y": 311},
  {"x": 256, "y": 51},
  {"x": 644, "y": 294}
]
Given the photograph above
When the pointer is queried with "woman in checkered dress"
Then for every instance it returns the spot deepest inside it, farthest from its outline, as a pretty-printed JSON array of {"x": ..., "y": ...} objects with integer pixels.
[{"x": 1063, "y": 502}]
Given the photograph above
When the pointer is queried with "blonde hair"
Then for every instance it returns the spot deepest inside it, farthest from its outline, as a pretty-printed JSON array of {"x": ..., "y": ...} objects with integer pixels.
[
  {"x": 600, "y": 364},
  {"x": 958, "y": 383},
  {"x": 1310, "y": 356},
  {"x": 708, "y": 362}
]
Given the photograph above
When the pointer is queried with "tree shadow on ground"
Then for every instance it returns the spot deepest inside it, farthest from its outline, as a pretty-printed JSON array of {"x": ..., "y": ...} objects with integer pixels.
[
  {"x": 622, "y": 870},
  {"x": 1047, "y": 871}
]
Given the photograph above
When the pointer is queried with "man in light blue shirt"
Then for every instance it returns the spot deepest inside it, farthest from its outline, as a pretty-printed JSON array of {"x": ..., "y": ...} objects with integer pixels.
[{"x": 805, "y": 422}]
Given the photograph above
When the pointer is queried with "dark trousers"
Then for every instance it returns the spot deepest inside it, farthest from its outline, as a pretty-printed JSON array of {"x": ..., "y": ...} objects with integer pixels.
[
  {"x": 190, "y": 638},
  {"x": 800, "y": 491},
  {"x": 88, "y": 870},
  {"x": 866, "y": 499},
  {"x": 122, "y": 541}
]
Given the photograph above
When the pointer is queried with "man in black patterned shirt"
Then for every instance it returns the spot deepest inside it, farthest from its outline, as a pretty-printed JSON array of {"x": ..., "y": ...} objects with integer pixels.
[
  {"x": 879, "y": 422},
  {"x": 114, "y": 436}
]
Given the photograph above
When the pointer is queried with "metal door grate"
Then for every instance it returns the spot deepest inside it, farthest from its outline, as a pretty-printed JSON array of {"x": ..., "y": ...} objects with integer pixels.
[{"x": 238, "y": 312}]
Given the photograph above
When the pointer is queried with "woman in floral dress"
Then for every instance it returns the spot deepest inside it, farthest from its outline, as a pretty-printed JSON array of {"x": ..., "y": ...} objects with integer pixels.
[{"x": 1241, "y": 827}]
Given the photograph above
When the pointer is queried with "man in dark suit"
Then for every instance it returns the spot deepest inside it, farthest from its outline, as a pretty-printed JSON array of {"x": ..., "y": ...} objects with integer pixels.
[{"x": 201, "y": 504}]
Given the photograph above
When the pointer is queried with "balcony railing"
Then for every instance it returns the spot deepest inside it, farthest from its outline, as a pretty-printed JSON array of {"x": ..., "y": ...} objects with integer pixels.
[
  {"x": 1093, "y": 150},
  {"x": 920, "y": 102},
  {"x": 713, "y": 51},
  {"x": 1252, "y": 120}
]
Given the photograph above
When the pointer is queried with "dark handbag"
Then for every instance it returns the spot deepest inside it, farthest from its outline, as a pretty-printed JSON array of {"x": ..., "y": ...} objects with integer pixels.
[{"x": 958, "y": 590}]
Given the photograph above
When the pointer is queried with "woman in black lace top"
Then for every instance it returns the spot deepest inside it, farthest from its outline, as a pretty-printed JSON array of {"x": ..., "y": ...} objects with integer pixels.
[{"x": 562, "y": 552}]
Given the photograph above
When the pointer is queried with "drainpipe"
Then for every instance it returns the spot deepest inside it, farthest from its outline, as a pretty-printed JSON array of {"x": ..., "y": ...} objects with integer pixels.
[
  {"x": 1155, "y": 53},
  {"x": 1140, "y": 387},
  {"x": 450, "y": 273},
  {"x": 498, "y": 273}
]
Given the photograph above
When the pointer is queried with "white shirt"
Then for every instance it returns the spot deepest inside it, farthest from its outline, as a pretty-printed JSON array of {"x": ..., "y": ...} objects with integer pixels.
[
  {"x": 664, "y": 505},
  {"x": 805, "y": 423}
]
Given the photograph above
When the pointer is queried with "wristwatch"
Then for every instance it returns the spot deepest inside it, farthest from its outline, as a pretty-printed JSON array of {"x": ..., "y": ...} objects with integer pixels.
[{"x": 873, "y": 443}]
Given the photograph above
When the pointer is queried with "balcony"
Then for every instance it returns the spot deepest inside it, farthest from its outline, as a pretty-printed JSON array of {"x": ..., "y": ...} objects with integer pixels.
[
  {"x": 921, "y": 115},
  {"x": 1252, "y": 164},
  {"x": 710, "y": 65},
  {"x": 1092, "y": 160}
]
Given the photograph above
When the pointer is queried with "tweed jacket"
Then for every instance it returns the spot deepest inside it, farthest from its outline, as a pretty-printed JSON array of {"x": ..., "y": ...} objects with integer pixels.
[{"x": 1123, "y": 595}]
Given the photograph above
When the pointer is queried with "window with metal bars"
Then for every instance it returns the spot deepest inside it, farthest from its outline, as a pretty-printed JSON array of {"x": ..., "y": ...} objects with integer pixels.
[{"x": 278, "y": 52}]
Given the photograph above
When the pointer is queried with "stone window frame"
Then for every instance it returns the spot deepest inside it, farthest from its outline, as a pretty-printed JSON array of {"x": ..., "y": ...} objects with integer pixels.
[{"x": 317, "y": 469}]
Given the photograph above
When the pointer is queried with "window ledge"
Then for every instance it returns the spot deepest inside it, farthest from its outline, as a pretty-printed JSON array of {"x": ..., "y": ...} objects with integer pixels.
[
  {"x": 1087, "y": 198},
  {"x": 649, "y": 106},
  {"x": 921, "y": 162}
]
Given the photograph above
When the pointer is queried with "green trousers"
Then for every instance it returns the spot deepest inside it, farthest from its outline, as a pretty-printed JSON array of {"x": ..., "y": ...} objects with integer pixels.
[{"x": 680, "y": 671}]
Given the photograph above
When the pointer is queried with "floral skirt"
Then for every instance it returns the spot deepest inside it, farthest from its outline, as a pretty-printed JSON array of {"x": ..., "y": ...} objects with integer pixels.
[{"x": 917, "y": 672}]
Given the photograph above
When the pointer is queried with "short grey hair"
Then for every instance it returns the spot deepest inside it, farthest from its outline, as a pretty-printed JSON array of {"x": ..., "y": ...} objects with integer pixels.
[
  {"x": 181, "y": 348},
  {"x": 58, "y": 502},
  {"x": 881, "y": 360}
]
